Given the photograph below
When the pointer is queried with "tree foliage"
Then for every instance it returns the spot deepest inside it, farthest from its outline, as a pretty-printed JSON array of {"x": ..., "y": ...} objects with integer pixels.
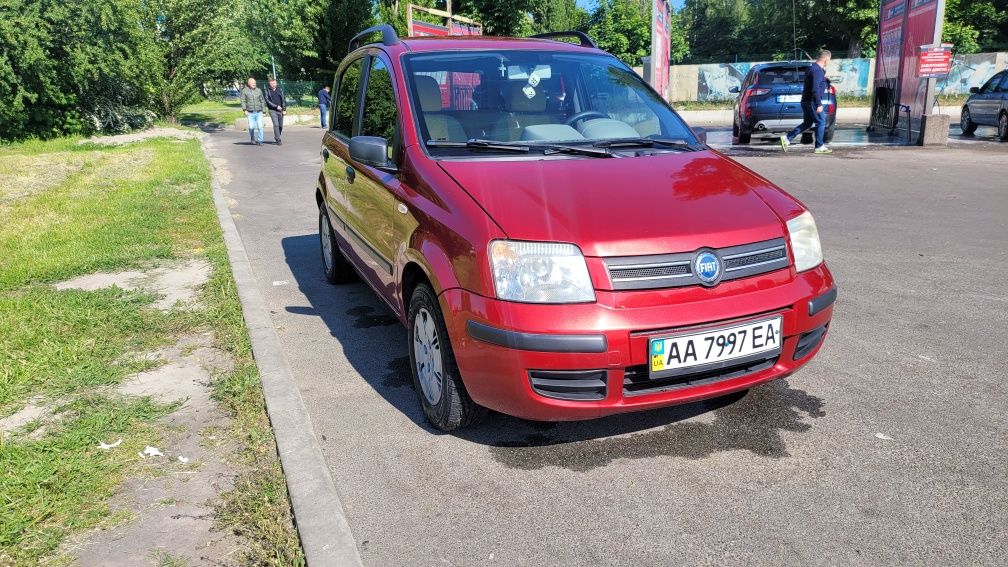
[{"x": 623, "y": 28}]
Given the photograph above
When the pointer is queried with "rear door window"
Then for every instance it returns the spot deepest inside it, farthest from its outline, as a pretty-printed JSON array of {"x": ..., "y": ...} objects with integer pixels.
[{"x": 346, "y": 99}]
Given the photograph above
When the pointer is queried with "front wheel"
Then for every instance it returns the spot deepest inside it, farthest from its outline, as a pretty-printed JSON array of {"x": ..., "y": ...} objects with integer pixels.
[
  {"x": 1003, "y": 127},
  {"x": 335, "y": 266},
  {"x": 966, "y": 122},
  {"x": 436, "y": 378}
]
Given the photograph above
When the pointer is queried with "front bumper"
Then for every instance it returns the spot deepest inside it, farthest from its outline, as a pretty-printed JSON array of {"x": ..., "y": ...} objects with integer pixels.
[{"x": 505, "y": 351}]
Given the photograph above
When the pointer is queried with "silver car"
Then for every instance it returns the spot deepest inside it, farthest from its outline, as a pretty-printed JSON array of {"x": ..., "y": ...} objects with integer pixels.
[{"x": 987, "y": 106}]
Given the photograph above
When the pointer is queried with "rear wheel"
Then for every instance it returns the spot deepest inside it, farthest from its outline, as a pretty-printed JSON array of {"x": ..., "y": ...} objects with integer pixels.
[
  {"x": 436, "y": 377},
  {"x": 739, "y": 136},
  {"x": 1003, "y": 127},
  {"x": 966, "y": 122},
  {"x": 335, "y": 266}
]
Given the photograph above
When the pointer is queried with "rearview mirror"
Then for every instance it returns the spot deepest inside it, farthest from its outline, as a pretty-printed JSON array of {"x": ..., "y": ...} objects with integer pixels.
[
  {"x": 371, "y": 151},
  {"x": 733, "y": 90},
  {"x": 701, "y": 134},
  {"x": 974, "y": 90}
]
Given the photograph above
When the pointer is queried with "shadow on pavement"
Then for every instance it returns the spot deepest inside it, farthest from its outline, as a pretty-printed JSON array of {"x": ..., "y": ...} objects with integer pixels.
[{"x": 375, "y": 345}]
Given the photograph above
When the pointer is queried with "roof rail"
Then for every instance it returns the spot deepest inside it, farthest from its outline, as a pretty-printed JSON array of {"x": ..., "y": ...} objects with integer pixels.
[
  {"x": 582, "y": 36},
  {"x": 389, "y": 36}
]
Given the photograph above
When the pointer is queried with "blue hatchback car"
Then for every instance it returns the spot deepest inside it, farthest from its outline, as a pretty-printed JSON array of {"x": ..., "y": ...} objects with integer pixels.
[
  {"x": 769, "y": 101},
  {"x": 987, "y": 106}
]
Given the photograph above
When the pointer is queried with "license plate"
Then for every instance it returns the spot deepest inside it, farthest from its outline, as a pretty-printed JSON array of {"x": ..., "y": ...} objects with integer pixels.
[
  {"x": 789, "y": 98},
  {"x": 671, "y": 355}
]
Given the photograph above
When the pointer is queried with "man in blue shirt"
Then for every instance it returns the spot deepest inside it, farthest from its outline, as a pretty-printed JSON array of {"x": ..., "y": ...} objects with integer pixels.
[
  {"x": 323, "y": 104},
  {"x": 812, "y": 104}
]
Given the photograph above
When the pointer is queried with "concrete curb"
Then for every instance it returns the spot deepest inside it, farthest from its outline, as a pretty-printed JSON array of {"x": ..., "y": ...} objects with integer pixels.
[{"x": 318, "y": 512}]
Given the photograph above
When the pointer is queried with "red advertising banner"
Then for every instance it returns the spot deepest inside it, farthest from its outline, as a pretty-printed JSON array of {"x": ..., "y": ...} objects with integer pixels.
[
  {"x": 887, "y": 64},
  {"x": 661, "y": 14},
  {"x": 920, "y": 27},
  {"x": 935, "y": 61}
]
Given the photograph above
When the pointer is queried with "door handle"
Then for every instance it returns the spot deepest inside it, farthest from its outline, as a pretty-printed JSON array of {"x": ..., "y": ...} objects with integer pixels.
[
  {"x": 350, "y": 174},
  {"x": 325, "y": 153}
]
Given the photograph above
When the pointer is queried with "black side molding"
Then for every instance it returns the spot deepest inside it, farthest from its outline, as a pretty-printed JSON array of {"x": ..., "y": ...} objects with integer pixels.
[
  {"x": 535, "y": 341},
  {"x": 822, "y": 302}
]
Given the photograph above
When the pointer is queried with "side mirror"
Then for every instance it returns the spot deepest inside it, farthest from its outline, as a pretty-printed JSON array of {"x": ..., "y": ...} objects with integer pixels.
[
  {"x": 734, "y": 90},
  {"x": 371, "y": 151},
  {"x": 974, "y": 90},
  {"x": 701, "y": 134}
]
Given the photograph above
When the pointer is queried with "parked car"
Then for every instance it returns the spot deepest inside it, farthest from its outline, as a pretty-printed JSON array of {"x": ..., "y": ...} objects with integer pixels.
[
  {"x": 987, "y": 106},
  {"x": 559, "y": 244},
  {"x": 769, "y": 102}
]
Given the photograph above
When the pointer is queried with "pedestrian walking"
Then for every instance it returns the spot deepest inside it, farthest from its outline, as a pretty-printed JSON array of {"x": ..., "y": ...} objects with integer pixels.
[
  {"x": 323, "y": 104},
  {"x": 277, "y": 104},
  {"x": 253, "y": 105},
  {"x": 812, "y": 105}
]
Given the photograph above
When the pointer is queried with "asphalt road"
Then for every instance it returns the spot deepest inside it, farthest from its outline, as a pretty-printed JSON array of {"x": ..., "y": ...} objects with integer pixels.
[{"x": 890, "y": 447}]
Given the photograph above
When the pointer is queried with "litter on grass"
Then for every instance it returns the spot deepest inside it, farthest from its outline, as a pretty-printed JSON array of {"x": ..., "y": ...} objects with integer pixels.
[
  {"x": 106, "y": 446},
  {"x": 883, "y": 436},
  {"x": 150, "y": 452},
  {"x": 182, "y": 459}
]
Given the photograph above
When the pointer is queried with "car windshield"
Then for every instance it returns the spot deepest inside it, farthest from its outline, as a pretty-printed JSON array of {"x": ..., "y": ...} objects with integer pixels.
[{"x": 535, "y": 98}]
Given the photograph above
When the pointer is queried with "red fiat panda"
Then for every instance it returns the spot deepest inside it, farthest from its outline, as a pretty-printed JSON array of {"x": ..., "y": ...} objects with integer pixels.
[{"x": 558, "y": 242}]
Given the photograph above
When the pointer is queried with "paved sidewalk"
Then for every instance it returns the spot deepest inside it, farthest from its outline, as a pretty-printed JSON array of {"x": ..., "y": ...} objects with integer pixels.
[{"x": 889, "y": 448}]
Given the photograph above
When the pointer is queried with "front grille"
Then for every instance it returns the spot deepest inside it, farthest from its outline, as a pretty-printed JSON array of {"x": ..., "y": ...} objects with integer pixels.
[
  {"x": 650, "y": 272},
  {"x": 676, "y": 270},
  {"x": 636, "y": 380},
  {"x": 577, "y": 385}
]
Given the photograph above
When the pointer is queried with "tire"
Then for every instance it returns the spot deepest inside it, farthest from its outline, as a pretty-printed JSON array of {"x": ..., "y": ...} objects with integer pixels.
[
  {"x": 739, "y": 137},
  {"x": 442, "y": 395},
  {"x": 1003, "y": 127},
  {"x": 966, "y": 122},
  {"x": 334, "y": 265},
  {"x": 828, "y": 135}
]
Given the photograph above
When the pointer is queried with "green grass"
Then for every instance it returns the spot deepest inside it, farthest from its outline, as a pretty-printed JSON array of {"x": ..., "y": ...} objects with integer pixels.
[
  {"x": 68, "y": 209},
  {"x": 61, "y": 483},
  {"x": 211, "y": 111}
]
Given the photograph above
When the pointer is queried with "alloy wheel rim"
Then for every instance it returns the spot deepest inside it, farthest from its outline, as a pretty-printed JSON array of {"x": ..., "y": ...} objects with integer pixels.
[
  {"x": 326, "y": 238},
  {"x": 427, "y": 356}
]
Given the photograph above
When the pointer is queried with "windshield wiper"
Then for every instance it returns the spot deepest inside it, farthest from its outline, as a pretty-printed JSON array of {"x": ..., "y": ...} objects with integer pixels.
[
  {"x": 478, "y": 144},
  {"x": 648, "y": 142},
  {"x": 579, "y": 150}
]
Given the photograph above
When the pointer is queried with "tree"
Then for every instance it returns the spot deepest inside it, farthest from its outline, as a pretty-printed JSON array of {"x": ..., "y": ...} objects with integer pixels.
[
  {"x": 341, "y": 20},
  {"x": 856, "y": 21},
  {"x": 195, "y": 41},
  {"x": 558, "y": 15},
  {"x": 71, "y": 68},
  {"x": 716, "y": 28},
  {"x": 973, "y": 24},
  {"x": 288, "y": 30},
  {"x": 622, "y": 28},
  {"x": 499, "y": 17}
]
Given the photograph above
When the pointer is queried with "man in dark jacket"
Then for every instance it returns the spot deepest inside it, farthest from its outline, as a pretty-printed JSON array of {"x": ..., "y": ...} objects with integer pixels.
[
  {"x": 812, "y": 105},
  {"x": 323, "y": 104},
  {"x": 277, "y": 104}
]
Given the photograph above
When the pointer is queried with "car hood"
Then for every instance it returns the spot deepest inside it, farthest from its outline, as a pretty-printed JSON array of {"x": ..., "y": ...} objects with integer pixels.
[{"x": 667, "y": 202}]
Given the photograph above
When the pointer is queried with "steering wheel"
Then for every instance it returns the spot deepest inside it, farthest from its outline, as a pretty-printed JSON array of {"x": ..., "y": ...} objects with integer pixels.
[{"x": 583, "y": 115}]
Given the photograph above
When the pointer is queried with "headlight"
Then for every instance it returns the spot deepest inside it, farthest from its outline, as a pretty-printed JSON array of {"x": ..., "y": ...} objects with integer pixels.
[
  {"x": 805, "y": 242},
  {"x": 540, "y": 272}
]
